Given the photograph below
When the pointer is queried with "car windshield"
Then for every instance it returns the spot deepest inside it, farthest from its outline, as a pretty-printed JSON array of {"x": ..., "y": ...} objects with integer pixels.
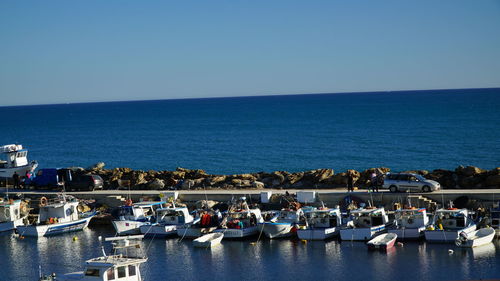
[{"x": 420, "y": 178}]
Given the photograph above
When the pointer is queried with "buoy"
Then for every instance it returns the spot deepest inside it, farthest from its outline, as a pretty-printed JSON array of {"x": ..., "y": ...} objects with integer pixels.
[
  {"x": 450, "y": 251},
  {"x": 252, "y": 243},
  {"x": 400, "y": 244},
  {"x": 99, "y": 238},
  {"x": 21, "y": 237},
  {"x": 303, "y": 241},
  {"x": 75, "y": 238}
]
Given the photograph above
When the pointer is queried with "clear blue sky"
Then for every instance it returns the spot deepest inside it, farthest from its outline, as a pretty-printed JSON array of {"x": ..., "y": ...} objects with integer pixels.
[{"x": 79, "y": 51}]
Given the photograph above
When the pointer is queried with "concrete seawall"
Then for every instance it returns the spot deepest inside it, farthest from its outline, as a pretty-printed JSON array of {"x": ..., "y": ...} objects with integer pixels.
[{"x": 329, "y": 197}]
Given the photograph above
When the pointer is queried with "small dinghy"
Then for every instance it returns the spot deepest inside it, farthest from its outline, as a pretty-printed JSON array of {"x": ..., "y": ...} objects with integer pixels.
[
  {"x": 383, "y": 241},
  {"x": 476, "y": 238},
  {"x": 208, "y": 240}
]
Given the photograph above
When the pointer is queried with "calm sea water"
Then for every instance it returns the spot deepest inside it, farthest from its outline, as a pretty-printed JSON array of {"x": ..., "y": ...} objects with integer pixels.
[
  {"x": 400, "y": 130},
  {"x": 278, "y": 260}
]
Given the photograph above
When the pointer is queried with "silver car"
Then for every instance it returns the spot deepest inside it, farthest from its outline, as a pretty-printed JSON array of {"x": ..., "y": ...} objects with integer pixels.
[{"x": 413, "y": 182}]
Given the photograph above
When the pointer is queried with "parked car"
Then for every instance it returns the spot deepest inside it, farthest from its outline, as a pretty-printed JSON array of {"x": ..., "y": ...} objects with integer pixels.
[
  {"x": 407, "y": 181},
  {"x": 59, "y": 178}
]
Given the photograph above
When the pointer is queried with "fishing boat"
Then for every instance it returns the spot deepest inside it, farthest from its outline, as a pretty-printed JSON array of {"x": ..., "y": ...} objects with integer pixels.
[
  {"x": 208, "y": 240},
  {"x": 447, "y": 224},
  {"x": 206, "y": 221},
  {"x": 57, "y": 216},
  {"x": 241, "y": 221},
  {"x": 410, "y": 223},
  {"x": 123, "y": 264},
  {"x": 383, "y": 241},
  {"x": 364, "y": 224},
  {"x": 14, "y": 159},
  {"x": 166, "y": 221},
  {"x": 285, "y": 223},
  {"x": 475, "y": 238},
  {"x": 130, "y": 217},
  {"x": 12, "y": 214},
  {"x": 321, "y": 224}
]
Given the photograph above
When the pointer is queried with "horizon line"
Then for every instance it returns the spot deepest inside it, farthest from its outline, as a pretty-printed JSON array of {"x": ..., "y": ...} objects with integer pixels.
[{"x": 248, "y": 96}]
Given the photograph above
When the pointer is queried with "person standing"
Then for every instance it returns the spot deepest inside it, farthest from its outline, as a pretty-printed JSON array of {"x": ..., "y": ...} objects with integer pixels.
[
  {"x": 373, "y": 181},
  {"x": 350, "y": 182},
  {"x": 15, "y": 177}
]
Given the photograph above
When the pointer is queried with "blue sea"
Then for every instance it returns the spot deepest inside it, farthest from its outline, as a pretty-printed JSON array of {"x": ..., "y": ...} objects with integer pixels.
[{"x": 400, "y": 130}]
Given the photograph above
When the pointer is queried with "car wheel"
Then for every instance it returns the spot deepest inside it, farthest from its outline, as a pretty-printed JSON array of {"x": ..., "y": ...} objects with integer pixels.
[
  {"x": 426, "y": 188},
  {"x": 393, "y": 188},
  {"x": 91, "y": 188}
]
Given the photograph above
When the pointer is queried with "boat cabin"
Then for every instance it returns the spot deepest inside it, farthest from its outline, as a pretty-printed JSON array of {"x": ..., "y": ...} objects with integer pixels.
[
  {"x": 13, "y": 155},
  {"x": 452, "y": 218},
  {"x": 323, "y": 218},
  {"x": 58, "y": 212},
  {"x": 113, "y": 268},
  {"x": 289, "y": 215},
  {"x": 140, "y": 211},
  {"x": 174, "y": 215},
  {"x": 411, "y": 218},
  {"x": 10, "y": 210},
  {"x": 244, "y": 218},
  {"x": 364, "y": 218}
]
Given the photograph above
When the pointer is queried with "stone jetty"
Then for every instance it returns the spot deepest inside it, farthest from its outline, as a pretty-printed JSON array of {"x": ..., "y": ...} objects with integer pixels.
[{"x": 195, "y": 179}]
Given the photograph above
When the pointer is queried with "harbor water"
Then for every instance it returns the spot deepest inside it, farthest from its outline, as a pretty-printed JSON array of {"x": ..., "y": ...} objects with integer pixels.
[{"x": 172, "y": 259}]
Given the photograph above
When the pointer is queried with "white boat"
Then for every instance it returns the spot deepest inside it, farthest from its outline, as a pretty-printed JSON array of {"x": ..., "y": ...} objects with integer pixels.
[
  {"x": 123, "y": 264},
  {"x": 321, "y": 224},
  {"x": 208, "y": 240},
  {"x": 205, "y": 222},
  {"x": 475, "y": 238},
  {"x": 410, "y": 223},
  {"x": 12, "y": 214},
  {"x": 383, "y": 241},
  {"x": 14, "y": 159},
  {"x": 447, "y": 224},
  {"x": 241, "y": 221},
  {"x": 58, "y": 216},
  {"x": 364, "y": 224},
  {"x": 284, "y": 224},
  {"x": 130, "y": 217},
  {"x": 166, "y": 221}
]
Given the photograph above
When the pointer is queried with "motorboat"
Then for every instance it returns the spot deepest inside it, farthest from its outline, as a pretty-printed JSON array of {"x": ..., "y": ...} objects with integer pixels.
[
  {"x": 321, "y": 224},
  {"x": 57, "y": 216},
  {"x": 364, "y": 223},
  {"x": 285, "y": 223},
  {"x": 410, "y": 223},
  {"x": 12, "y": 213},
  {"x": 447, "y": 224},
  {"x": 166, "y": 221},
  {"x": 208, "y": 240},
  {"x": 475, "y": 238},
  {"x": 206, "y": 221},
  {"x": 123, "y": 264},
  {"x": 130, "y": 217},
  {"x": 241, "y": 221},
  {"x": 383, "y": 241},
  {"x": 14, "y": 159}
]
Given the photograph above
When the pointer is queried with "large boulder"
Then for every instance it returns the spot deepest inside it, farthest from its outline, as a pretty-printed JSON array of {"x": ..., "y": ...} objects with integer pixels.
[
  {"x": 258, "y": 185},
  {"x": 97, "y": 166},
  {"x": 468, "y": 171},
  {"x": 156, "y": 184},
  {"x": 493, "y": 181}
]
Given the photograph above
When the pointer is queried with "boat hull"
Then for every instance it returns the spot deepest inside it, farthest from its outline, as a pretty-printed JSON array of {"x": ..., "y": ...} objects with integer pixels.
[
  {"x": 194, "y": 232},
  {"x": 478, "y": 238},
  {"x": 409, "y": 233},
  {"x": 208, "y": 240},
  {"x": 382, "y": 242},
  {"x": 53, "y": 229},
  {"x": 128, "y": 227},
  {"x": 20, "y": 170},
  {"x": 158, "y": 230},
  {"x": 317, "y": 233},
  {"x": 360, "y": 234},
  {"x": 278, "y": 230},
  {"x": 446, "y": 236},
  {"x": 10, "y": 225},
  {"x": 234, "y": 233}
]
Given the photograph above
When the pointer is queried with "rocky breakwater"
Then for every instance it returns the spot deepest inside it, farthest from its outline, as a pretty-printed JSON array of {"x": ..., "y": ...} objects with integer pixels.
[{"x": 187, "y": 179}]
